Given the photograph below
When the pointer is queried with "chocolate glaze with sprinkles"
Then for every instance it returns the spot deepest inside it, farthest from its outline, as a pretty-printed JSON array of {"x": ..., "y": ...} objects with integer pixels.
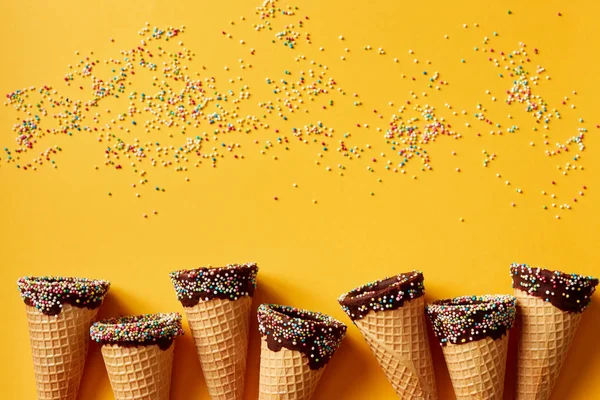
[
  {"x": 49, "y": 293},
  {"x": 567, "y": 292},
  {"x": 381, "y": 295},
  {"x": 203, "y": 284},
  {"x": 138, "y": 330},
  {"x": 471, "y": 318},
  {"x": 314, "y": 334}
]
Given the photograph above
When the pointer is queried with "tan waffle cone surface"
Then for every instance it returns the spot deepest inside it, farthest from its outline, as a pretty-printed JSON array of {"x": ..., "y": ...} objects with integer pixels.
[
  {"x": 545, "y": 335},
  {"x": 220, "y": 330},
  {"x": 477, "y": 368},
  {"x": 398, "y": 338},
  {"x": 285, "y": 375},
  {"x": 59, "y": 346},
  {"x": 140, "y": 372}
]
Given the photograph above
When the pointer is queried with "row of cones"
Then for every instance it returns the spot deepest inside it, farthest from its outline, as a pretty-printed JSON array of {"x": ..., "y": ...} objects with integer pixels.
[
  {"x": 59, "y": 347},
  {"x": 390, "y": 313},
  {"x": 220, "y": 326}
]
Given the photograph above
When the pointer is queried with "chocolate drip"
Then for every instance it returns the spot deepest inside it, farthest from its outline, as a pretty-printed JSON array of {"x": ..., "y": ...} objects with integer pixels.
[
  {"x": 203, "y": 284},
  {"x": 381, "y": 295},
  {"x": 162, "y": 343},
  {"x": 567, "y": 292},
  {"x": 471, "y": 318},
  {"x": 48, "y": 294},
  {"x": 138, "y": 330},
  {"x": 75, "y": 301},
  {"x": 314, "y": 334}
]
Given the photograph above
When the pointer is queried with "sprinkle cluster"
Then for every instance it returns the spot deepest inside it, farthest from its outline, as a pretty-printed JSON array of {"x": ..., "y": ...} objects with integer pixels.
[
  {"x": 471, "y": 318},
  {"x": 568, "y": 292},
  {"x": 49, "y": 293},
  {"x": 171, "y": 115},
  {"x": 230, "y": 282},
  {"x": 383, "y": 294},
  {"x": 314, "y": 334},
  {"x": 138, "y": 330}
]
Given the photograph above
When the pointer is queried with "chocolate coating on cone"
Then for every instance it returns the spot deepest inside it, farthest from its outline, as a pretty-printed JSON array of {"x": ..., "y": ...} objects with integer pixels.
[
  {"x": 384, "y": 294},
  {"x": 49, "y": 293},
  {"x": 203, "y": 284},
  {"x": 567, "y": 292},
  {"x": 138, "y": 330},
  {"x": 470, "y": 318},
  {"x": 314, "y": 334}
]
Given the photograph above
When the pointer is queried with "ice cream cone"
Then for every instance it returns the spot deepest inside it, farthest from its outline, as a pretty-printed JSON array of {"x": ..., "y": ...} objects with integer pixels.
[
  {"x": 220, "y": 330},
  {"x": 477, "y": 368},
  {"x": 296, "y": 347},
  {"x": 138, "y": 354},
  {"x": 547, "y": 321},
  {"x": 217, "y": 304},
  {"x": 395, "y": 331},
  {"x": 139, "y": 372},
  {"x": 473, "y": 332},
  {"x": 60, "y": 312},
  {"x": 285, "y": 374},
  {"x": 59, "y": 347}
]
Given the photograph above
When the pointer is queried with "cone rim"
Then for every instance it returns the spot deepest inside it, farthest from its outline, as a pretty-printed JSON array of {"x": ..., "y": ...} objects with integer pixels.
[
  {"x": 547, "y": 273},
  {"x": 388, "y": 285},
  {"x": 141, "y": 329},
  {"x": 252, "y": 266},
  {"x": 464, "y": 319},
  {"x": 486, "y": 301},
  {"x": 314, "y": 317},
  {"x": 568, "y": 292},
  {"x": 48, "y": 294}
]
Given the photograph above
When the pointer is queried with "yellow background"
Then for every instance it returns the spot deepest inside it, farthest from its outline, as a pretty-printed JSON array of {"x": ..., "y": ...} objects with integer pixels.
[{"x": 61, "y": 221}]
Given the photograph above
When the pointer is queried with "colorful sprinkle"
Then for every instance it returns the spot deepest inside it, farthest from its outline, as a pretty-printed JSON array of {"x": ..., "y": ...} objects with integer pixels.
[
  {"x": 382, "y": 295},
  {"x": 315, "y": 335},
  {"x": 203, "y": 284},
  {"x": 470, "y": 318},
  {"x": 139, "y": 330},
  {"x": 568, "y": 292},
  {"x": 49, "y": 293}
]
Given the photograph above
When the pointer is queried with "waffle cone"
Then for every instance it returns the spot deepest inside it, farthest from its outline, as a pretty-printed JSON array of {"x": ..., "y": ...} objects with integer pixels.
[
  {"x": 398, "y": 339},
  {"x": 139, "y": 372},
  {"x": 477, "y": 368},
  {"x": 545, "y": 335},
  {"x": 220, "y": 330},
  {"x": 59, "y": 346},
  {"x": 286, "y": 375}
]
